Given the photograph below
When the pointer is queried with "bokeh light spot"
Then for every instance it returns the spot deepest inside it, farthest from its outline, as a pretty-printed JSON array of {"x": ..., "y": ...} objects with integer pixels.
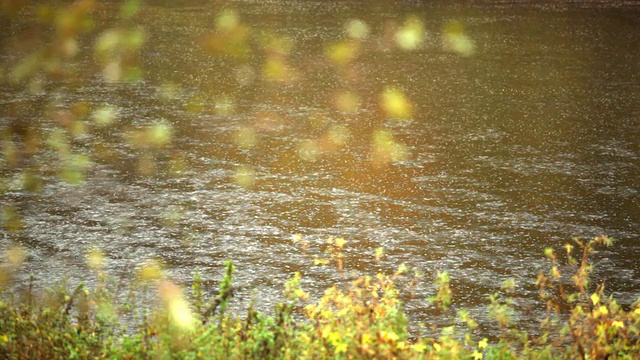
[
  {"x": 105, "y": 115},
  {"x": 411, "y": 35},
  {"x": 357, "y": 29},
  {"x": 244, "y": 176},
  {"x": 395, "y": 104},
  {"x": 455, "y": 40}
]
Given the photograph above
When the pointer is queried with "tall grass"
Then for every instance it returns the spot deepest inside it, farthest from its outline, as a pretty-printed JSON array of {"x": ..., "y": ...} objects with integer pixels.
[{"x": 363, "y": 319}]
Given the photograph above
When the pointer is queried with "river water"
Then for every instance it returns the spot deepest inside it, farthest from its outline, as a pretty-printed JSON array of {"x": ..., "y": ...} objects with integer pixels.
[{"x": 527, "y": 141}]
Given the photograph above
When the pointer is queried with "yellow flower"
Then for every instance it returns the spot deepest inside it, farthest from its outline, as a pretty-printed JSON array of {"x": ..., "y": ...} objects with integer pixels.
[
  {"x": 476, "y": 355},
  {"x": 603, "y": 310},
  {"x": 568, "y": 247},
  {"x": 419, "y": 347},
  {"x": 483, "y": 343},
  {"x": 595, "y": 298},
  {"x": 305, "y": 338},
  {"x": 618, "y": 324},
  {"x": 334, "y": 338},
  {"x": 301, "y": 294},
  {"x": 389, "y": 335}
]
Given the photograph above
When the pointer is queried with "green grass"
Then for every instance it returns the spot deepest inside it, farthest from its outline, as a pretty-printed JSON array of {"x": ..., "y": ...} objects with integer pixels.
[{"x": 361, "y": 320}]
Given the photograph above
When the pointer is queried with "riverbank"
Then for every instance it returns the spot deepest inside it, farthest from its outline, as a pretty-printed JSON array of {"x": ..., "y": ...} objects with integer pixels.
[{"x": 361, "y": 319}]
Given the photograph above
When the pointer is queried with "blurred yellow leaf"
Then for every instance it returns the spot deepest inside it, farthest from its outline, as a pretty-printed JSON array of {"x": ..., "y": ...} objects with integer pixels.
[
  {"x": 177, "y": 307},
  {"x": 9, "y": 152},
  {"x": 357, "y": 29},
  {"x": 150, "y": 271},
  {"x": 456, "y": 40},
  {"x": 129, "y": 9},
  {"x": 227, "y": 20},
  {"x": 276, "y": 45},
  {"x": 309, "y": 150},
  {"x": 347, "y": 101},
  {"x": 246, "y": 137},
  {"x": 95, "y": 259},
  {"x": 342, "y": 52},
  {"x": 225, "y": 105},
  {"x": 231, "y": 36},
  {"x": 275, "y": 68},
  {"x": 244, "y": 176},
  {"x": 15, "y": 255},
  {"x": 112, "y": 71},
  {"x": 411, "y": 35},
  {"x": 160, "y": 134},
  {"x": 338, "y": 135},
  {"x": 395, "y": 104},
  {"x": 595, "y": 299},
  {"x": 11, "y": 220},
  {"x": 105, "y": 115},
  {"x": 385, "y": 149},
  {"x": 107, "y": 43}
]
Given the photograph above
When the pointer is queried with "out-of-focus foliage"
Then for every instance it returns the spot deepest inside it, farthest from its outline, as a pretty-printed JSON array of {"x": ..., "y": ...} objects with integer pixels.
[
  {"x": 456, "y": 40},
  {"x": 361, "y": 318},
  {"x": 51, "y": 48},
  {"x": 47, "y": 44},
  {"x": 411, "y": 35}
]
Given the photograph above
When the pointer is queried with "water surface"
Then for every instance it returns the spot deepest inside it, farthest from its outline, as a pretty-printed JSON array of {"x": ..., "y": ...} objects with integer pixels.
[{"x": 530, "y": 141}]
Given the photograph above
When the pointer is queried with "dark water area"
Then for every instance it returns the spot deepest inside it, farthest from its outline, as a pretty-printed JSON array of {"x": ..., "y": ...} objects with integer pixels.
[{"x": 531, "y": 140}]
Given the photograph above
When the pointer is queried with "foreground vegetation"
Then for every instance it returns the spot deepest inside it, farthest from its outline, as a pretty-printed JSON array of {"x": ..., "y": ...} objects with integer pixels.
[{"x": 362, "y": 320}]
